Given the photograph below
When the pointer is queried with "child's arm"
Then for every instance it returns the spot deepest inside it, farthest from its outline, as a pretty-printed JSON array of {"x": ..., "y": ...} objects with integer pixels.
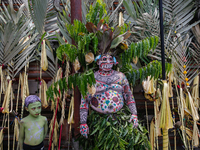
[
  {"x": 45, "y": 127},
  {"x": 21, "y": 135}
]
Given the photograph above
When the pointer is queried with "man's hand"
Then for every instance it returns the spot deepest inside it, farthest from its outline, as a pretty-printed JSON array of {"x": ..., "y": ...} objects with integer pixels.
[
  {"x": 135, "y": 120},
  {"x": 84, "y": 130}
]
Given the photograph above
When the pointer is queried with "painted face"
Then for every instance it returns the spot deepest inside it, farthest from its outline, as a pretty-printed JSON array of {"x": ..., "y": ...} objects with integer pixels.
[
  {"x": 106, "y": 62},
  {"x": 35, "y": 109}
]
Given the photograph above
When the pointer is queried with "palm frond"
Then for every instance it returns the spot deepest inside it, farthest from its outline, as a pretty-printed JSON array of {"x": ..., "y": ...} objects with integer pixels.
[
  {"x": 181, "y": 12},
  {"x": 38, "y": 10},
  {"x": 51, "y": 20},
  {"x": 183, "y": 60},
  {"x": 17, "y": 44},
  {"x": 46, "y": 25}
]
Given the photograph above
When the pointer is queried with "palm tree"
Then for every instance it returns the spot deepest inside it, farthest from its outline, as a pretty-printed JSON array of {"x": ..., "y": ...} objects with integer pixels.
[
  {"x": 177, "y": 18},
  {"x": 17, "y": 39}
]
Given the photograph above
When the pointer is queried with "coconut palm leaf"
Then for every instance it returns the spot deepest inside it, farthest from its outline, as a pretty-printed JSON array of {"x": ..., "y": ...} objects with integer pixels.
[
  {"x": 195, "y": 45},
  {"x": 38, "y": 11},
  {"x": 46, "y": 25},
  {"x": 183, "y": 60},
  {"x": 147, "y": 16},
  {"x": 146, "y": 21},
  {"x": 51, "y": 20},
  {"x": 57, "y": 5},
  {"x": 16, "y": 48},
  {"x": 64, "y": 18},
  {"x": 179, "y": 11},
  {"x": 26, "y": 8},
  {"x": 51, "y": 62}
]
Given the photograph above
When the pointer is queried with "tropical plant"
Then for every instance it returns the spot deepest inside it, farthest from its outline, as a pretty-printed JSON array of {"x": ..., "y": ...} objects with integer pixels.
[
  {"x": 93, "y": 38},
  {"x": 17, "y": 44},
  {"x": 177, "y": 17},
  {"x": 109, "y": 133},
  {"x": 45, "y": 21},
  {"x": 101, "y": 38},
  {"x": 146, "y": 21}
]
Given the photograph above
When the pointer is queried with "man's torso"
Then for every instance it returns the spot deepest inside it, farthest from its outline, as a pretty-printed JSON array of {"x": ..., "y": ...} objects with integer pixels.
[{"x": 108, "y": 97}]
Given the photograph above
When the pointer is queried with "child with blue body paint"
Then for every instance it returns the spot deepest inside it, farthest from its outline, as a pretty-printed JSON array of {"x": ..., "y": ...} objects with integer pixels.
[{"x": 34, "y": 127}]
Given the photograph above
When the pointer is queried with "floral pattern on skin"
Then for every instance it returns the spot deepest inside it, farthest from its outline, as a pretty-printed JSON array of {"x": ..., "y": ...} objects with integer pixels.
[
  {"x": 84, "y": 130},
  {"x": 112, "y": 89},
  {"x": 134, "y": 119}
]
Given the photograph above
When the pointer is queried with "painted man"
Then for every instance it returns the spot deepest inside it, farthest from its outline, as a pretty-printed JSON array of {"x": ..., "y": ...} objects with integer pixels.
[
  {"x": 34, "y": 127},
  {"x": 112, "y": 88}
]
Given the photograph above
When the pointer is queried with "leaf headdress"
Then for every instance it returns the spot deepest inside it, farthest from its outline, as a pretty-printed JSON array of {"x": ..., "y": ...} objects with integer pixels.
[{"x": 110, "y": 40}]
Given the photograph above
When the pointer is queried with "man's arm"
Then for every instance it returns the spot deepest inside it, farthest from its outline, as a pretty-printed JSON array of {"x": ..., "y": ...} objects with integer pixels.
[
  {"x": 45, "y": 127},
  {"x": 84, "y": 130},
  {"x": 21, "y": 135},
  {"x": 128, "y": 96},
  {"x": 130, "y": 101},
  {"x": 83, "y": 110}
]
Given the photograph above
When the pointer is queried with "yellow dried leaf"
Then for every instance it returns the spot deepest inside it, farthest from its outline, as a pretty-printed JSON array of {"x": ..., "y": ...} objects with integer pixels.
[
  {"x": 121, "y": 19},
  {"x": 91, "y": 90},
  {"x": 27, "y": 38},
  {"x": 195, "y": 91},
  {"x": 195, "y": 135},
  {"x": 135, "y": 60},
  {"x": 71, "y": 112},
  {"x": 146, "y": 84},
  {"x": 44, "y": 61},
  {"x": 43, "y": 95},
  {"x": 166, "y": 117},
  {"x": 195, "y": 114},
  {"x": 89, "y": 57},
  {"x": 76, "y": 65},
  {"x": 152, "y": 133},
  {"x": 7, "y": 98},
  {"x": 1, "y": 136},
  {"x": 16, "y": 129},
  {"x": 188, "y": 132},
  {"x": 170, "y": 83}
]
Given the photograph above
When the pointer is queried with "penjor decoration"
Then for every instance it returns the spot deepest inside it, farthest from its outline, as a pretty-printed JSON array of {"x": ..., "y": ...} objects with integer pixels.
[
  {"x": 107, "y": 106},
  {"x": 112, "y": 90}
]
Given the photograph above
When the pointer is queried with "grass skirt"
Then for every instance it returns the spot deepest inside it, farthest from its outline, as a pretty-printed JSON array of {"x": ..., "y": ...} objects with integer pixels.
[{"x": 114, "y": 131}]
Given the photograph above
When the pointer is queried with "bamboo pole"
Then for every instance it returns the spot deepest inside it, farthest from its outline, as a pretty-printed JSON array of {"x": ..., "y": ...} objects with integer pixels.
[
  {"x": 165, "y": 118},
  {"x": 156, "y": 124},
  {"x": 76, "y": 13},
  {"x": 165, "y": 139},
  {"x": 174, "y": 122},
  {"x": 147, "y": 118},
  {"x": 171, "y": 95},
  {"x": 53, "y": 124},
  {"x": 181, "y": 111},
  {"x": 1, "y": 75},
  {"x": 8, "y": 132}
]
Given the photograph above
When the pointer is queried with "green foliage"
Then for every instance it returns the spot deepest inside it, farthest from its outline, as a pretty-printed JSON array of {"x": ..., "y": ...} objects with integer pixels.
[
  {"x": 56, "y": 89},
  {"x": 139, "y": 49},
  {"x": 113, "y": 131},
  {"x": 154, "y": 69},
  {"x": 75, "y": 29},
  {"x": 81, "y": 80},
  {"x": 97, "y": 13},
  {"x": 97, "y": 37},
  {"x": 68, "y": 50}
]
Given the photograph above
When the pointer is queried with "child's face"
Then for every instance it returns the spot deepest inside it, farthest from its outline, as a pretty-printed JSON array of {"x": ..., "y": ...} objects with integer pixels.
[{"x": 34, "y": 109}]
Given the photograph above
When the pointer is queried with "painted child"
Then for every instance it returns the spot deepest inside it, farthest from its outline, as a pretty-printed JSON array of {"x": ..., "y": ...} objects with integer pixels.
[{"x": 34, "y": 127}]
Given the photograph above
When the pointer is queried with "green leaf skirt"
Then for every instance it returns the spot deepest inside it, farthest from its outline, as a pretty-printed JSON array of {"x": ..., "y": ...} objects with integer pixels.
[{"x": 114, "y": 131}]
